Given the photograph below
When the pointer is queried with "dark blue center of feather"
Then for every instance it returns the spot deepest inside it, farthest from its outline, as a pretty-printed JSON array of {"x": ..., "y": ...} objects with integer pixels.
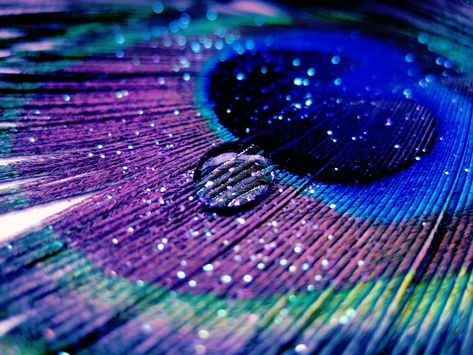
[{"x": 326, "y": 115}]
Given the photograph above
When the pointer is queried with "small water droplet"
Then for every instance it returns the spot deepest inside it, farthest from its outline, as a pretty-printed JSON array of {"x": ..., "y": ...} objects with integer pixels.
[
  {"x": 301, "y": 348},
  {"x": 233, "y": 175}
]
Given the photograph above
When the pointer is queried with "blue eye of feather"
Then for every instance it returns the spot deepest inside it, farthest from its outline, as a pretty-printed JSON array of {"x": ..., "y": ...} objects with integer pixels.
[{"x": 354, "y": 114}]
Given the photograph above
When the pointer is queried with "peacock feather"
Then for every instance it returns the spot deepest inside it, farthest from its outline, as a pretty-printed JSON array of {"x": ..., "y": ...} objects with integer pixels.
[{"x": 133, "y": 134}]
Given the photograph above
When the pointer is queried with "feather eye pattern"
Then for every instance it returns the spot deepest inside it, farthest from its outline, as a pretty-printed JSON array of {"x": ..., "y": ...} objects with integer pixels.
[{"x": 358, "y": 238}]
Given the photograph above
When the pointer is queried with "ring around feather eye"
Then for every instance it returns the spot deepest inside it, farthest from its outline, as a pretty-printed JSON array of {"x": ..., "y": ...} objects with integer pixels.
[{"x": 354, "y": 114}]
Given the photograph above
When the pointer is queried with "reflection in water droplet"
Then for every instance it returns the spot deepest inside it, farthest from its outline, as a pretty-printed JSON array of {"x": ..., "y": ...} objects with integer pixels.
[{"x": 233, "y": 175}]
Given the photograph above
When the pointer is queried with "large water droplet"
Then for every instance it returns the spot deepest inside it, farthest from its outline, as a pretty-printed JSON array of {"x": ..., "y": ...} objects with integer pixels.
[{"x": 233, "y": 175}]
